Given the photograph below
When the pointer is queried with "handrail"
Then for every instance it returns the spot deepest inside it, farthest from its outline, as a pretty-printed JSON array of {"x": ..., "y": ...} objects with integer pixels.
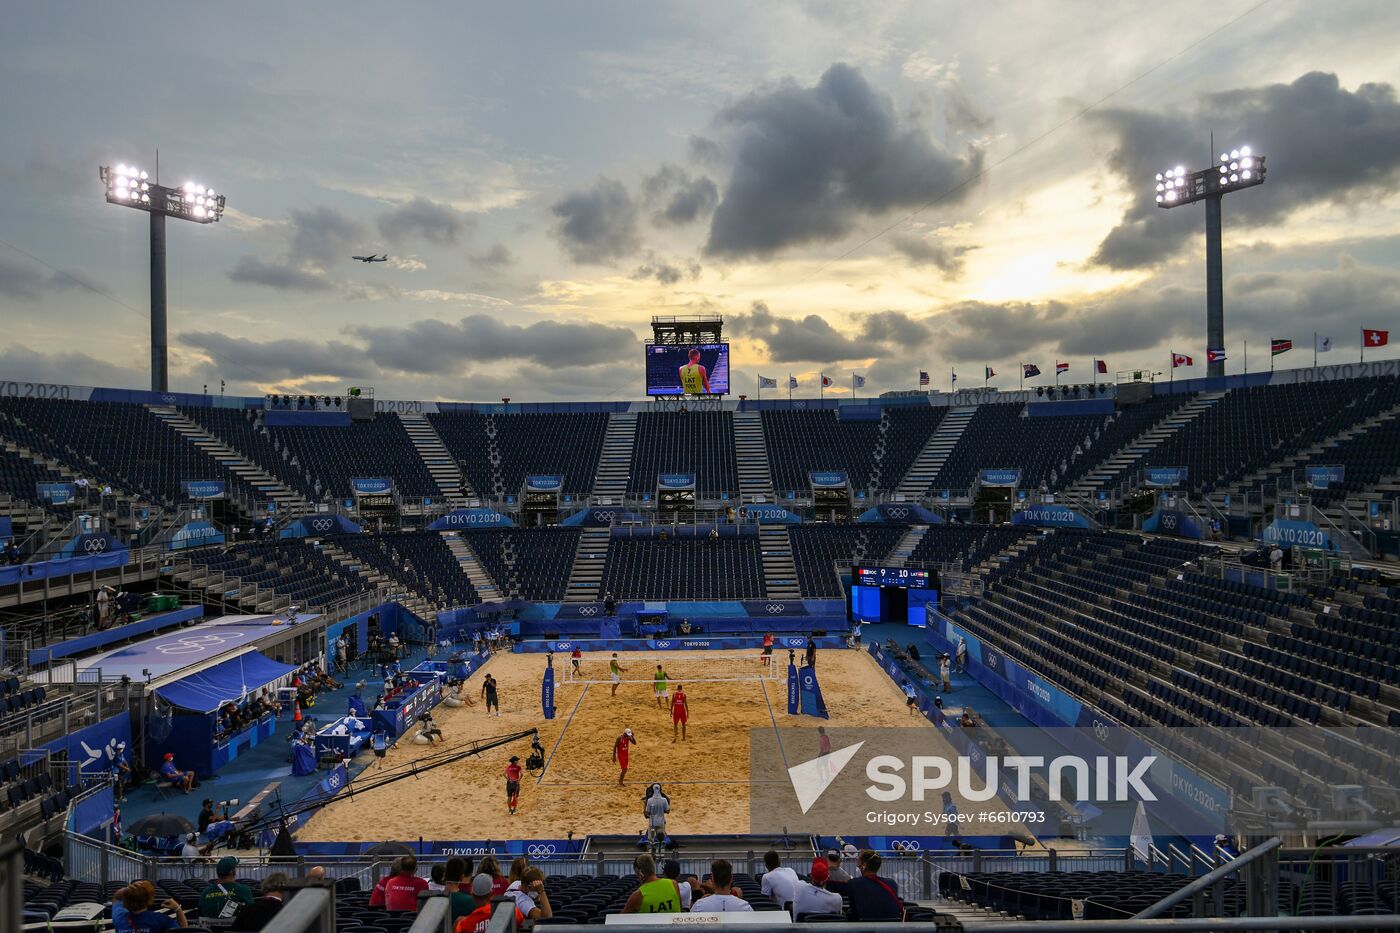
[{"x": 1210, "y": 878}]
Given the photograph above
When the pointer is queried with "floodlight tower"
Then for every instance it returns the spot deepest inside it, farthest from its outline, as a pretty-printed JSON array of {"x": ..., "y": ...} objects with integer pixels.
[
  {"x": 1238, "y": 168},
  {"x": 129, "y": 186}
]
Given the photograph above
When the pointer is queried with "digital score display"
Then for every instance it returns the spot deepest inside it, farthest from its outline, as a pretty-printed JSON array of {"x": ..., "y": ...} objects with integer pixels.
[{"x": 892, "y": 576}]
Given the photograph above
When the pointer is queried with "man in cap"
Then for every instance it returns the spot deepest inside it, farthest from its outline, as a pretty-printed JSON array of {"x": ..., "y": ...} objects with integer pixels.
[
  {"x": 475, "y": 922},
  {"x": 513, "y": 775},
  {"x": 120, "y": 769},
  {"x": 174, "y": 776},
  {"x": 620, "y": 751},
  {"x": 224, "y": 897}
]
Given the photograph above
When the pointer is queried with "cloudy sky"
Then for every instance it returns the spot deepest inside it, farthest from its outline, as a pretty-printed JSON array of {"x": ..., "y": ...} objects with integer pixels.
[{"x": 872, "y": 186}]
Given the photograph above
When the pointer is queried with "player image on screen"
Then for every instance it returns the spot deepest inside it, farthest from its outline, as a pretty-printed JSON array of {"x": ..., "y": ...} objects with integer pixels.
[
  {"x": 695, "y": 379},
  {"x": 693, "y": 369}
]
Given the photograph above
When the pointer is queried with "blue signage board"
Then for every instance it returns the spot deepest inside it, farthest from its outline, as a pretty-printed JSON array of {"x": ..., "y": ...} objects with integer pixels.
[
  {"x": 203, "y": 488},
  {"x": 371, "y": 485},
  {"x": 676, "y": 481},
  {"x": 1165, "y": 476},
  {"x": 770, "y": 515},
  {"x": 471, "y": 518},
  {"x": 544, "y": 482},
  {"x": 828, "y": 478},
  {"x": 57, "y": 493},
  {"x": 1173, "y": 522},
  {"x": 1290, "y": 533},
  {"x": 999, "y": 477},
  {"x": 196, "y": 534},
  {"x": 1321, "y": 477},
  {"x": 1049, "y": 516}
]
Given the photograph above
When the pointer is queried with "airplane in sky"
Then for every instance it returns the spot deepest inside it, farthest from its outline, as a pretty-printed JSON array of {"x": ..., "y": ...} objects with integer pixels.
[{"x": 372, "y": 258}]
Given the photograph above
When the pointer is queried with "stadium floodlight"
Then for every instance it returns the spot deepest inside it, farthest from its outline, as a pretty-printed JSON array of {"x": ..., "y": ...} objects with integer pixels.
[
  {"x": 130, "y": 186},
  {"x": 1237, "y": 169}
]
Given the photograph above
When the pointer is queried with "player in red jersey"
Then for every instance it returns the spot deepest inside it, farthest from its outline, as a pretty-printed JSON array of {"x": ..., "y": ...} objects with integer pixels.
[
  {"x": 620, "y": 749},
  {"x": 680, "y": 713},
  {"x": 767, "y": 649},
  {"x": 513, "y": 773},
  {"x": 575, "y": 657}
]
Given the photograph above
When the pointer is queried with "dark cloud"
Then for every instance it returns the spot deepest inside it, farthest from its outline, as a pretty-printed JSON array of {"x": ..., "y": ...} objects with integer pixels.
[
  {"x": 931, "y": 251},
  {"x": 665, "y": 271},
  {"x": 811, "y": 162},
  {"x": 273, "y": 360},
  {"x": 597, "y": 224},
  {"x": 436, "y": 223},
  {"x": 254, "y": 270},
  {"x": 445, "y": 347},
  {"x": 27, "y": 280},
  {"x": 813, "y": 339},
  {"x": 497, "y": 257},
  {"x": 320, "y": 238},
  {"x": 681, "y": 198},
  {"x": 20, "y": 362},
  {"x": 1323, "y": 144}
]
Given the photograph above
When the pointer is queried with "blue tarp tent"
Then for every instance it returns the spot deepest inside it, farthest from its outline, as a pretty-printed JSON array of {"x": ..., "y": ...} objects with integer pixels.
[{"x": 227, "y": 682}]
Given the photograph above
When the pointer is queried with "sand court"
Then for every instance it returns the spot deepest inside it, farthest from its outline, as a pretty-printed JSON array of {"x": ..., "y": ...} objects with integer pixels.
[{"x": 706, "y": 776}]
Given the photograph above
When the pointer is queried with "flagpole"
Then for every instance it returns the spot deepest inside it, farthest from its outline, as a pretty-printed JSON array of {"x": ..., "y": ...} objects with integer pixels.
[
  {"x": 1023, "y": 375},
  {"x": 1171, "y": 370},
  {"x": 760, "y": 388},
  {"x": 1246, "y": 357},
  {"x": 853, "y": 383},
  {"x": 1362, "y": 334},
  {"x": 1314, "y": 349}
]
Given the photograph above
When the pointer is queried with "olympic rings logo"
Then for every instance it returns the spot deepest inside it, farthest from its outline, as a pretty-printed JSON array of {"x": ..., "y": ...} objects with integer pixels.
[
  {"x": 195, "y": 644},
  {"x": 540, "y": 849},
  {"x": 603, "y": 516},
  {"x": 905, "y": 845},
  {"x": 795, "y": 642},
  {"x": 321, "y": 524},
  {"x": 1100, "y": 730},
  {"x": 1168, "y": 521},
  {"x": 774, "y": 608},
  {"x": 562, "y": 645},
  {"x": 588, "y": 610},
  {"x": 168, "y": 399},
  {"x": 663, "y": 644},
  {"x": 898, "y": 512},
  {"x": 95, "y": 545}
]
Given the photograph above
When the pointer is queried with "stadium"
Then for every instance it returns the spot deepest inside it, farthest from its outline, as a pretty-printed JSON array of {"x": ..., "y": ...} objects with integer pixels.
[{"x": 1088, "y": 648}]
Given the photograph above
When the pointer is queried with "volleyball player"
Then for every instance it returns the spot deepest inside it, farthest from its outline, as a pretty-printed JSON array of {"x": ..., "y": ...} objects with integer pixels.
[
  {"x": 659, "y": 687},
  {"x": 488, "y": 690},
  {"x": 695, "y": 379},
  {"x": 615, "y": 671},
  {"x": 621, "y": 747},
  {"x": 680, "y": 714}
]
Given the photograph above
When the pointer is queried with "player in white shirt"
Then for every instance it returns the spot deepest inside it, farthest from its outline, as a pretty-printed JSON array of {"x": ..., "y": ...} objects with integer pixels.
[{"x": 778, "y": 882}]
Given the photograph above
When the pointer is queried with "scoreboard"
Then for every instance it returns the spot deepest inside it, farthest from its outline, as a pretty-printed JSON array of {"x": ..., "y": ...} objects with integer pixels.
[{"x": 892, "y": 576}]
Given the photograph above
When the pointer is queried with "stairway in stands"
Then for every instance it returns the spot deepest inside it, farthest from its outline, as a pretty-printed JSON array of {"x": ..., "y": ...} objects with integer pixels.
[
  {"x": 586, "y": 576},
  {"x": 1130, "y": 454},
  {"x": 411, "y": 601},
  {"x": 901, "y": 551},
  {"x": 924, "y": 470},
  {"x": 435, "y": 456},
  {"x": 288, "y": 500},
  {"x": 615, "y": 461},
  {"x": 751, "y": 454},
  {"x": 779, "y": 571},
  {"x": 472, "y": 566}
]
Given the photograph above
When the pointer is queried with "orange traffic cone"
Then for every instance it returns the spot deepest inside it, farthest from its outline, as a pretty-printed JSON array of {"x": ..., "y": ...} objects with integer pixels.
[{"x": 296, "y": 711}]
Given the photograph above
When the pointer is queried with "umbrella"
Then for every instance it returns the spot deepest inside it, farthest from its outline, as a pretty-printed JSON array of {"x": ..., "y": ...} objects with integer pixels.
[
  {"x": 388, "y": 848},
  {"x": 161, "y": 824}
]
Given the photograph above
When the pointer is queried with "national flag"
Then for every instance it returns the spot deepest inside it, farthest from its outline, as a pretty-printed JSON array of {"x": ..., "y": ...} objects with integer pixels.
[
  {"x": 1029, "y": 369},
  {"x": 1061, "y": 367},
  {"x": 923, "y": 377},
  {"x": 1181, "y": 359},
  {"x": 792, "y": 381},
  {"x": 858, "y": 380},
  {"x": 1374, "y": 338},
  {"x": 765, "y": 383},
  {"x": 1215, "y": 355},
  {"x": 826, "y": 381},
  {"x": 1100, "y": 367},
  {"x": 1278, "y": 345},
  {"x": 1322, "y": 344},
  {"x": 955, "y": 376},
  {"x": 989, "y": 372}
]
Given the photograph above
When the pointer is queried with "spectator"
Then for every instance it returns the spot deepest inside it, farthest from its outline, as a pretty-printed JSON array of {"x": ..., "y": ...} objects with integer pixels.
[
  {"x": 517, "y": 869},
  {"x": 121, "y": 771},
  {"x": 943, "y": 670},
  {"x": 435, "y": 878},
  {"x": 529, "y": 895},
  {"x": 834, "y": 870},
  {"x": 873, "y": 897},
  {"x": 967, "y": 720},
  {"x": 1276, "y": 558},
  {"x": 174, "y": 776},
  {"x": 813, "y": 897},
  {"x": 475, "y": 922},
  {"x": 721, "y": 896},
  {"x": 672, "y": 870},
  {"x": 911, "y": 698},
  {"x": 962, "y": 655},
  {"x": 317, "y": 874},
  {"x": 950, "y": 816},
  {"x": 132, "y": 913},
  {"x": 398, "y": 892},
  {"x": 225, "y": 897},
  {"x": 499, "y": 883},
  {"x": 256, "y": 915},
  {"x": 778, "y": 881},
  {"x": 653, "y": 895},
  {"x": 455, "y": 877},
  {"x": 189, "y": 852}
]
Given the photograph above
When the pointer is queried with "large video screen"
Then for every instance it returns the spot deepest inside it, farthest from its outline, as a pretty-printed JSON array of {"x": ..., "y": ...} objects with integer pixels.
[{"x": 688, "y": 369}]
